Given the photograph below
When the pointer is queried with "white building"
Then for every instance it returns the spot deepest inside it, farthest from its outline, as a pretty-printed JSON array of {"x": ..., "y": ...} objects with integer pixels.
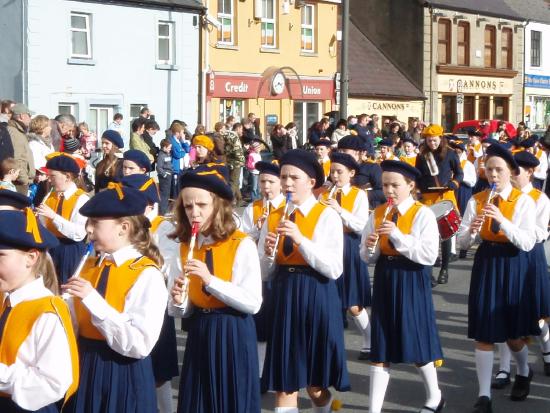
[{"x": 96, "y": 58}]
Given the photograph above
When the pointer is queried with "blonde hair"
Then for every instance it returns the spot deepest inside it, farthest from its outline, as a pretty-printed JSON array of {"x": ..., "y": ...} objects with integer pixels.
[
  {"x": 44, "y": 266},
  {"x": 141, "y": 239},
  {"x": 38, "y": 124}
]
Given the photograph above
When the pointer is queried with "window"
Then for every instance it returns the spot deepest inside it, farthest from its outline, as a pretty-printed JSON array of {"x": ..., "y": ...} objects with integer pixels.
[
  {"x": 463, "y": 39},
  {"x": 81, "y": 46},
  {"x": 68, "y": 109},
  {"x": 490, "y": 46},
  {"x": 444, "y": 42},
  {"x": 99, "y": 118},
  {"x": 506, "y": 48},
  {"x": 500, "y": 108},
  {"x": 269, "y": 28},
  {"x": 469, "y": 108},
  {"x": 165, "y": 50},
  {"x": 231, "y": 107},
  {"x": 225, "y": 16},
  {"x": 305, "y": 115},
  {"x": 483, "y": 107},
  {"x": 308, "y": 28},
  {"x": 535, "y": 48}
]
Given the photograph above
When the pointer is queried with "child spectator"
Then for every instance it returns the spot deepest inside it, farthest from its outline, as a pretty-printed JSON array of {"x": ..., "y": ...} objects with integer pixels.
[
  {"x": 164, "y": 171},
  {"x": 8, "y": 173},
  {"x": 253, "y": 157}
]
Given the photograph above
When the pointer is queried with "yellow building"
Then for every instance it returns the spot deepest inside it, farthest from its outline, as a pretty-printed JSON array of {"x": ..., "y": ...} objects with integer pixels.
[{"x": 275, "y": 58}]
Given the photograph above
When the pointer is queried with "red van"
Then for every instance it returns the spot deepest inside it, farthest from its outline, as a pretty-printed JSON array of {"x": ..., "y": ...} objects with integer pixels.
[{"x": 463, "y": 127}]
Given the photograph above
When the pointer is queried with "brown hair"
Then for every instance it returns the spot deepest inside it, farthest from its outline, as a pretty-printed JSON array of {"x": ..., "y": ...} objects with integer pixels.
[
  {"x": 109, "y": 165},
  {"x": 440, "y": 152},
  {"x": 38, "y": 124},
  {"x": 6, "y": 166},
  {"x": 141, "y": 239},
  {"x": 165, "y": 142},
  {"x": 176, "y": 127},
  {"x": 221, "y": 225}
]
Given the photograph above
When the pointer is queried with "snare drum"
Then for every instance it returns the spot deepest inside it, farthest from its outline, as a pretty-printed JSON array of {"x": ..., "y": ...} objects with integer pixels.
[{"x": 448, "y": 219}]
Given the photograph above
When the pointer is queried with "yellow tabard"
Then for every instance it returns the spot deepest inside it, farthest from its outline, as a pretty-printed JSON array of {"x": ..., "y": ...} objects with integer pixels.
[
  {"x": 66, "y": 209},
  {"x": 155, "y": 223},
  {"x": 404, "y": 223},
  {"x": 347, "y": 201},
  {"x": 506, "y": 206},
  {"x": 326, "y": 167},
  {"x": 411, "y": 160},
  {"x": 535, "y": 194}
]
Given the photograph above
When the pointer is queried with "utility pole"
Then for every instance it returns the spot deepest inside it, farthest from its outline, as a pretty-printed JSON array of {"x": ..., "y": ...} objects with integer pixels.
[{"x": 344, "y": 76}]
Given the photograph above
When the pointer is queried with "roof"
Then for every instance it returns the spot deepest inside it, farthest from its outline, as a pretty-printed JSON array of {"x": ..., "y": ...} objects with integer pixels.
[
  {"x": 372, "y": 74},
  {"x": 496, "y": 8},
  {"x": 189, "y": 5},
  {"x": 534, "y": 10}
]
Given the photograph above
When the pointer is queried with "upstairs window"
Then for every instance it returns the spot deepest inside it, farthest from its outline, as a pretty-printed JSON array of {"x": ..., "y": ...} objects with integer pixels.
[
  {"x": 81, "y": 44},
  {"x": 535, "y": 48},
  {"x": 165, "y": 39},
  {"x": 463, "y": 44},
  {"x": 490, "y": 46},
  {"x": 506, "y": 48},
  {"x": 226, "y": 18},
  {"x": 444, "y": 42},
  {"x": 308, "y": 28},
  {"x": 269, "y": 24}
]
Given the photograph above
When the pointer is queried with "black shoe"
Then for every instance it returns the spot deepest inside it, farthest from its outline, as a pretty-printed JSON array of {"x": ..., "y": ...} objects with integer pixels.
[
  {"x": 438, "y": 409},
  {"x": 453, "y": 258},
  {"x": 521, "y": 387},
  {"x": 501, "y": 382},
  {"x": 546, "y": 365},
  {"x": 433, "y": 281},
  {"x": 483, "y": 405},
  {"x": 437, "y": 262},
  {"x": 443, "y": 277},
  {"x": 364, "y": 355},
  {"x": 463, "y": 254}
]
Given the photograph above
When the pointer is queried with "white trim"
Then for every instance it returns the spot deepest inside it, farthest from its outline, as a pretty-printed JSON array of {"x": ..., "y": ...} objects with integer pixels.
[
  {"x": 171, "y": 42},
  {"x": 87, "y": 30}
]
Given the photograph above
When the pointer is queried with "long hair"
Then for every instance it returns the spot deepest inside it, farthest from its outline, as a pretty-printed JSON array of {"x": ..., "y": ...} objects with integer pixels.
[
  {"x": 44, "y": 266},
  {"x": 440, "y": 153},
  {"x": 221, "y": 224},
  {"x": 141, "y": 239}
]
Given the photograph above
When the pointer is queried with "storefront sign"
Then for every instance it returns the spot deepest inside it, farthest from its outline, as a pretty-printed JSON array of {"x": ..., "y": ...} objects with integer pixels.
[
  {"x": 402, "y": 110},
  {"x": 538, "y": 81},
  {"x": 477, "y": 85}
]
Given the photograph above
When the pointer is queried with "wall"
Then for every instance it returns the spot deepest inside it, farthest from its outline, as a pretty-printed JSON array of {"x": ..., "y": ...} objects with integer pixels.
[
  {"x": 12, "y": 81},
  {"x": 537, "y": 99}
]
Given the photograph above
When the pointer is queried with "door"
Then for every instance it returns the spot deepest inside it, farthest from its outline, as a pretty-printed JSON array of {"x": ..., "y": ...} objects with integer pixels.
[
  {"x": 305, "y": 115},
  {"x": 99, "y": 118}
]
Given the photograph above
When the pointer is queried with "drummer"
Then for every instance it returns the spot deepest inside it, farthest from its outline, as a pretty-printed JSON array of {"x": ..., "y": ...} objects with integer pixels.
[{"x": 441, "y": 175}]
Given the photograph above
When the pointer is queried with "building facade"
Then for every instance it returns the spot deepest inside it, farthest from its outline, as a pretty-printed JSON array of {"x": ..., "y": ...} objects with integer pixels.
[
  {"x": 274, "y": 58},
  {"x": 537, "y": 75},
  {"x": 94, "y": 59}
]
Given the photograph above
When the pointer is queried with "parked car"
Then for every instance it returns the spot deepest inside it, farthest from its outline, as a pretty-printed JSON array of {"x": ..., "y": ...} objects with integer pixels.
[{"x": 463, "y": 127}]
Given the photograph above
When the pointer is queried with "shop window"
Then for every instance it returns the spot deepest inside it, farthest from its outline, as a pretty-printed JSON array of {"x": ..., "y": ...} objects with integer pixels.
[
  {"x": 500, "y": 108},
  {"x": 269, "y": 24},
  {"x": 135, "y": 109},
  {"x": 166, "y": 47},
  {"x": 490, "y": 46},
  {"x": 81, "y": 36},
  {"x": 483, "y": 109},
  {"x": 535, "y": 48},
  {"x": 308, "y": 28},
  {"x": 469, "y": 108},
  {"x": 305, "y": 115},
  {"x": 444, "y": 42},
  {"x": 231, "y": 107},
  {"x": 463, "y": 46},
  {"x": 448, "y": 112},
  {"x": 226, "y": 18},
  {"x": 506, "y": 48},
  {"x": 64, "y": 108}
]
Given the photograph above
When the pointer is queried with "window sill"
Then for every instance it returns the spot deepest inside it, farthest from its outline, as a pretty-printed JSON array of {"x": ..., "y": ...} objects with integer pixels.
[
  {"x": 269, "y": 50},
  {"x": 226, "y": 46},
  {"x": 308, "y": 54},
  {"x": 166, "y": 67},
  {"x": 79, "y": 61}
]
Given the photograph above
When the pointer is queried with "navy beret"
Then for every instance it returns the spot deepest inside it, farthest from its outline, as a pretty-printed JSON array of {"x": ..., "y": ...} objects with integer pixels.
[
  {"x": 307, "y": 162},
  {"x": 351, "y": 142},
  {"x": 386, "y": 142},
  {"x": 402, "y": 168},
  {"x": 116, "y": 201},
  {"x": 475, "y": 132},
  {"x": 144, "y": 184},
  {"x": 139, "y": 158},
  {"x": 526, "y": 159},
  {"x": 501, "y": 152},
  {"x": 268, "y": 168},
  {"x": 213, "y": 178},
  {"x": 490, "y": 141},
  {"x": 62, "y": 162},
  {"x": 13, "y": 199},
  {"x": 410, "y": 141},
  {"x": 457, "y": 145},
  {"x": 323, "y": 142},
  {"x": 114, "y": 137},
  {"x": 344, "y": 159},
  {"x": 24, "y": 231},
  {"x": 528, "y": 143}
]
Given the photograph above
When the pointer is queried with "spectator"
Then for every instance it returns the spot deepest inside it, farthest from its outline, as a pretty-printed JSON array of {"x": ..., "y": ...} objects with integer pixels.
[
  {"x": 229, "y": 122},
  {"x": 340, "y": 131},
  {"x": 146, "y": 114},
  {"x": 40, "y": 140},
  {"x": 62, "y": 128},
  {"x": 88, "y": 140},
  {"x": 5, "y": 110},
  {"x": 292, "y": 131},
  {"x": 318, "y": 131},
  {"x": 116, "y": 125},
  {"x": 253, "y": 158},
  {"x": 199, "y": 130},
  {"x": 249, "y": 133},
  {"x": 179, "y": 156},
  {"x": 365, "y": 133},
  {"x": 415, "y": 130},
  {"x": 17, "y": 128},
  {"x": 136, "y": 139},
  {"x": 279, "y": 141},
  {"x": 151, "y": 129},
  {"x": 234, "y": 157},
  {"x": 109, "y": 169},
  {"x": 8, "y": 174},
  {"x": 165, "y": 172},
  {"x": 252, "y": 119},
  {"x": 6, "y": 147}
]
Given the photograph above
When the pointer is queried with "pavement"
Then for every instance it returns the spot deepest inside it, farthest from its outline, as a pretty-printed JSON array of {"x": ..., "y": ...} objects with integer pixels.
[{"x": 457, "y": 376}]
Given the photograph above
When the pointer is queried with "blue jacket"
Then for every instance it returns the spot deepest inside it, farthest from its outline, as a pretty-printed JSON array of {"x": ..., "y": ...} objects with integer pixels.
[{"x": 179, "y": 150}]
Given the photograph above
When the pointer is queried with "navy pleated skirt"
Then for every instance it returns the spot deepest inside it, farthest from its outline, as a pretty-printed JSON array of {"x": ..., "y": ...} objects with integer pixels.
[
  {"x": 463, "y": 195},
  {"x": 220, "y": 364},
  {"x": 7, "y": 405},
  {"x": 263, "y": 318},
  {"x": 164, "y": 355},
  {"x": 501, "y": 299},
  {"x": 306, "y": 347},
  {"x": 354, "y": 284},
  {"x": 403, "y": 317},
  {"x": 111, "y": 382},
  {"x": 540, "y": 283},
  {"x": 66, "y": 257}
]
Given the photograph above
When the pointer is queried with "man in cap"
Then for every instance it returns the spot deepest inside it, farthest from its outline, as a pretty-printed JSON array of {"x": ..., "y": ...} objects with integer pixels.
[{"x": 17, "y": 128}]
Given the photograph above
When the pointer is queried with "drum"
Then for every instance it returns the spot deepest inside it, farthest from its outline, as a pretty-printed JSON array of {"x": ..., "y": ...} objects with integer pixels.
[{"x": 448, "y": 219}]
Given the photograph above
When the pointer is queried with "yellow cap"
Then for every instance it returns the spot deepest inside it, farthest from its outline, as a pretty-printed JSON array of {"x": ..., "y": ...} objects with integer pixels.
[
  {"x": 432, "y": 130},
  {"x": 205, "y": 141}
]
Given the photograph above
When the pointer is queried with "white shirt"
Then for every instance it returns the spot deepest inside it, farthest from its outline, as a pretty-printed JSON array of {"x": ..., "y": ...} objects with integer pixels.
[
  {"x": 357, "y": 218},
  {"x": 40, "y": 150},
  {"x": 74, "y": 228},
  {"x": 470, "y": 174},
  {"x": 135, "y": 331},
  {"x": 323, "y": 252},
  {"x": 420, "y": 246},
  {"x": 243, "y": 292},
  {"x": 42, "y": 372},
  {"x": 520, "y": 230},
  {"x": 248, "y": 225},
  {"x": 543, "y": 214},
  {"x": 540, "y": 171}
]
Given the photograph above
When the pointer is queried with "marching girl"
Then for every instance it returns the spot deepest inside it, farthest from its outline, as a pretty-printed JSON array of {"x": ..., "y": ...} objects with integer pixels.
[
  {"x": 119, "y": 302},
  {"x": 410, "y": 148},
  {"x": 60, "y": 213},
  {"x": 441, "y": 174},
  {"x": 204, "y": 150},
  {"x": 531, "y": 145},
  {"x": 386, "y": 151},
  {"x": 475, "y": 150},
  {"x": 38, "y": 354},
  {"x": 538, "y": 266},
  {"x": 134, "y": 162},
  {"x": 479, "y": 163},
  {"x": 322, "y": 150},
  {"x": 500, "y": 303},
  {"x": 220, "y": 364},
  {"x": 164, "y": 355},
  {"x": 109, "y": 169},
  {"x": 306, "y": 342},
  {"x": 403, "y": 243},
  {"x": 352, "y": 205}
]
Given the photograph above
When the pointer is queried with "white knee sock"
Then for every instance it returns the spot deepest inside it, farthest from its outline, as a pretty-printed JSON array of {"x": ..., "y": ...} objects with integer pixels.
[
  {"x": 453, "y": 245},
  {"x": 322, "y": 409},
  {"x": 544, "y": 339},
  {"x": 484, "y": 369},
  {"x": 429, "y": 377},
  {"x": 521, "y": 357},
  {"x": 379, "y": 379},
  {"x": 261, "y": 356},
  {"x": 164, "y": 398},
  {"x": 363, "y": 324},
  {"x": 286, "y": 410},
  {"x": 504, "y": 356}
]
